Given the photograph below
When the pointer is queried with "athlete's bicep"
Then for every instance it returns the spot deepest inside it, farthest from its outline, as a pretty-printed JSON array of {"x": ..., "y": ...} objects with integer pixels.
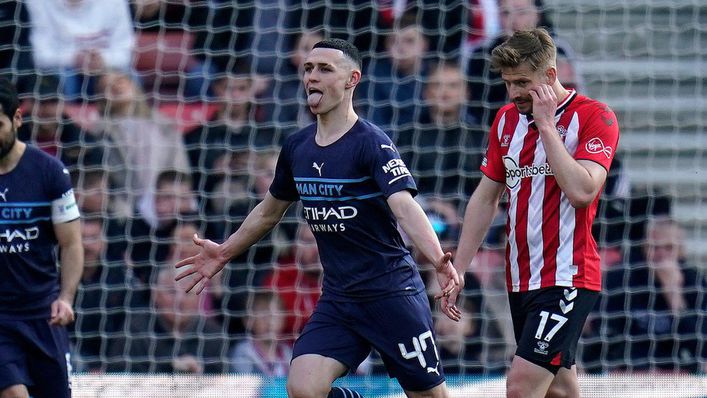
[
  {"x": 596, "y": 171},
  {"x": 400, "y": 201},
  {"x": 68, "y": 233},
  {"x": 489, "y": 191}
]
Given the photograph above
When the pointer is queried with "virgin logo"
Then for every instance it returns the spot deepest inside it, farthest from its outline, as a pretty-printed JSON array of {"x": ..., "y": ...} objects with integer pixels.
[{"x": 595, "y": 145}]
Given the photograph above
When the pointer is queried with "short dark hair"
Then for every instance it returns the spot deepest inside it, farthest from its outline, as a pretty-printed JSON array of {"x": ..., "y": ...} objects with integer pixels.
[
  {"x": 8, "y": 98},
  {"x": 344, "y": 46}
]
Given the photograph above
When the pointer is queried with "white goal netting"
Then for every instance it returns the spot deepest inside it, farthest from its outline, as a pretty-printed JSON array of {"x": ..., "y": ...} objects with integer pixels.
[{"x": 169, "y": 115}]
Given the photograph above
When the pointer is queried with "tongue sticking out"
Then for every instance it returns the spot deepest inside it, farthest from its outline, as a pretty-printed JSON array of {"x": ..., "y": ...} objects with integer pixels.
[{"x": 313, "y": 99}]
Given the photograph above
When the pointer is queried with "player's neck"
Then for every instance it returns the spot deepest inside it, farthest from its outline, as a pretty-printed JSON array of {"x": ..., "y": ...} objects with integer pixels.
[
  {"x": 9, "y": 162},
  {"x": 560, "y": 92},
  {"x": 334, "y": 124}
]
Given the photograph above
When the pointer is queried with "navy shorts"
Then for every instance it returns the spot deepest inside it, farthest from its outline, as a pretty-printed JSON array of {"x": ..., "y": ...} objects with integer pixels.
[
  {"x": 548, "y": 322},
  {"x": 400, "y": 328},
  {"x": 35, "y": 354}
]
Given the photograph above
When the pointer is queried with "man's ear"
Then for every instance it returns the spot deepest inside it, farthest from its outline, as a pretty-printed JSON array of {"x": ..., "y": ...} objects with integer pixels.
[
  {"x": 17, "y": 118},
  {"x": 551, "y": 74},
  {"x": 353, "y": 79}
]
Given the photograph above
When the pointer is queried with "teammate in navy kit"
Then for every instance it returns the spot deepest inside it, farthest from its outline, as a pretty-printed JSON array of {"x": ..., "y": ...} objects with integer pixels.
[
  {"x": 37, "y": 212},
  {"x": 355, "y": 190}
]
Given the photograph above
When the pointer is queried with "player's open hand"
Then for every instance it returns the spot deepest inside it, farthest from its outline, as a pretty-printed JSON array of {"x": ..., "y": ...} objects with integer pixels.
[
  {"x": 62, "y": 313},
  {"x": 451, "y": 284},
  {"x": 544, "y": 104},
  {"x": 202, "y": 266}
]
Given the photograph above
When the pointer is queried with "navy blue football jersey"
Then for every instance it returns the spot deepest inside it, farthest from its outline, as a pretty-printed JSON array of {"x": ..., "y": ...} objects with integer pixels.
[
  {"x": 33, "y": 196},
  {"x": 343, "y": 188}
]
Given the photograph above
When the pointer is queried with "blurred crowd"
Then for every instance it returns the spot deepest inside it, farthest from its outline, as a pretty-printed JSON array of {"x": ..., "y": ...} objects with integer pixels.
[{"x": 170, "y": 115}]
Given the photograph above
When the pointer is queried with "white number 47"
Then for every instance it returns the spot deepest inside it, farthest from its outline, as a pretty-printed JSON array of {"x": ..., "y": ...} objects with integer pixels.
[{"x": 543, "y": 322}]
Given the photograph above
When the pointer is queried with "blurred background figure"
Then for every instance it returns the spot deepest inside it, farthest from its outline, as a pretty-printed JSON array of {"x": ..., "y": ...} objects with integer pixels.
[
  {"x": 80, "y": 39},
  {"x": 101, "y": 299},
  {"x": 174, "y": 336},
  {"x": 297, "y": 279},
  {"x": 443, "y": 148},
  {"x": 50, "y": 128},
  {"x": 657, "y": 304},
  {"x": 472, "y": 345},
  {"x": 265, "y": 349},
  {"x": 149, "y": 240},
  {"x": 139, "y": 142},
  {"x": 286, "y": 95},
  {"x": 394, "y": 86}
]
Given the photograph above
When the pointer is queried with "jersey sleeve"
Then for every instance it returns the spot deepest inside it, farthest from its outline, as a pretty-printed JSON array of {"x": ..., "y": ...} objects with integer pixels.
[
  {"x": 283, "y": 184},
  {"x": 61, "y": 194},
  {"x": 599, "y": 137},
  {"x": 492, "y": 163},
  {"x": 386, "y": 167}
]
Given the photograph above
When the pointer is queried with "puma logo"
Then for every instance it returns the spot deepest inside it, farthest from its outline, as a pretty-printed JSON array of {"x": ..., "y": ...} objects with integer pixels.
[
  {"x": 318, "y": 167},
  {"x": 433, "y": 370},
  {"x": 384, "y": 146},
  {"x": 3, "y": 194}
]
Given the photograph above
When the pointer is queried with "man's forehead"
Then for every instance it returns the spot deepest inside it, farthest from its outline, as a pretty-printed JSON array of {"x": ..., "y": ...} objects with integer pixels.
[
  {"x": 522, "y": 70},
  {"x": 324, "y": 55}
]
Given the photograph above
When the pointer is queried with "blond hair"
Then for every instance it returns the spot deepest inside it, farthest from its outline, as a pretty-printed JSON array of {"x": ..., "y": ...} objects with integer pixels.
[{"x": 533, "y": 47}]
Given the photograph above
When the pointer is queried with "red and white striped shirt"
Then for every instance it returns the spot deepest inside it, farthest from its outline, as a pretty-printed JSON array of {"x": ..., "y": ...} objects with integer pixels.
[{"x": 549, "y": 242}]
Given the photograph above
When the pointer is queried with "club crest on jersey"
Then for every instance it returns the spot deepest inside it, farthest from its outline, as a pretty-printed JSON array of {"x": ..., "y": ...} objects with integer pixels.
[
  {"x": 596, "y": 145},
  {"x": 562, "y": 130},
  {"x": 514, "y": 173},
  {"x": 318, "y": 167},
  {"x": 505, "y": 140}
]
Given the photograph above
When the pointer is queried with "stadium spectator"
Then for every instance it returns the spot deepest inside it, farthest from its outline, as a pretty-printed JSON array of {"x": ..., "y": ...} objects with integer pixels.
[
  {"x": 358, "y": 22},
  {"x": 51, "y": 130},
  {"x": 265, "y": 350},
  {"x": 174, "y": 336},
  {"x": 472, "y": 345},
  {"x": 487, "y": 93},
  {"x": 232, "y": 129},
  {"x": 653, "y": 315},
  {"x": 79, "y": 39},
  {"x": 181, "y": 246},
  {"x": 393, "y": 90},
  {"x": 288, "y": 105},
  {"x": 443, "y": 149},
  {"x": 297, "y": 279},
  {"x": 149, "y": 241},
  {"x": 247, "y": 270},
  {"x": 100, "y": 301},
  {"x": 441, "y": 21},
  {"x": 139, "y": 142}
]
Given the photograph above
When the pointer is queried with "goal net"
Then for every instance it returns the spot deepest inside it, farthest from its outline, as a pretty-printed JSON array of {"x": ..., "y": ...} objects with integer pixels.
[{"x": 170, "y": 115}]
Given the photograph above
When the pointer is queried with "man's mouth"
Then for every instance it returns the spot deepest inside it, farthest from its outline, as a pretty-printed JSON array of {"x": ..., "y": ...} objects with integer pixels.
[{"x": 314, "y": 97}]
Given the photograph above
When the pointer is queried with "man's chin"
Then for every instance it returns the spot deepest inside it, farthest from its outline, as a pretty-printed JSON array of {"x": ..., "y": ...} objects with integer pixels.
[
  {"x": 6, "y": 149},
  {"x": 524, "y": 109}
]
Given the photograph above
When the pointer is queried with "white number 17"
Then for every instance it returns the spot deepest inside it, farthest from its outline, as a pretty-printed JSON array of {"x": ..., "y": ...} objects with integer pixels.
[{"x": 543, "y": 321}]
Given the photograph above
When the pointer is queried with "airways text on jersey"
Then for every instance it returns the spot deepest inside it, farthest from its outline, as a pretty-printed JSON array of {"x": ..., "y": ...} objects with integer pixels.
[{"x": 323, "y": 200}]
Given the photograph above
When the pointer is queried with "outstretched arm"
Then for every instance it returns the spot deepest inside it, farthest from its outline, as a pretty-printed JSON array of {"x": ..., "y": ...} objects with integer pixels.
[
  {"x": 477, "y": 219},
  {"x": 213, "y": 257},
  {"x": 414, "y": 222}
]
